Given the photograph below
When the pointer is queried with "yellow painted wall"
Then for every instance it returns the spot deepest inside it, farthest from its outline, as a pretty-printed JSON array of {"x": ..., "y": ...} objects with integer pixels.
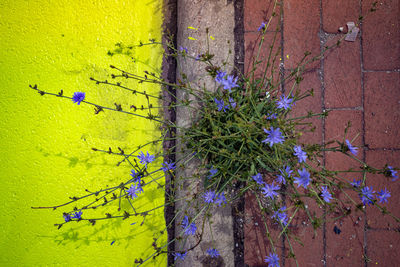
[{"x": 45, "y": 149}]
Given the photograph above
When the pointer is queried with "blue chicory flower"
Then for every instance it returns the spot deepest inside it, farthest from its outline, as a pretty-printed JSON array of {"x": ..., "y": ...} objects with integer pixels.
[
  {"x": 281, "y": 216},
  {"x": 393, "y": 173},
  {"x": 77, "y": 215},
  {"x": 220, "y": 76},
  {"x": 300, "y": 154},
  {"x": 262, "y": 26},
  {"x": 356, "y": 183},
  {"x": 258, "y": 178},
  {"x": 352, "y": 149},
  {"x": 178, "y": 255},
  {"x": 67, "y": 217},
  {"x": 212, "y": 172},
  {"x": 270, "y": 190},
  {"x": 78, "y": 97},
  {"x": 183, "y": 50},
  {"x": 209, "y": 196},
  {"x": 272, "y": 116},
  {"x": 272, "y": 260},
  {"x": 220, "y": 199},
  {"x": 229, "y": 83},
  {"x": 285, "y": 102},
  {"x": 274, "y": 136},
  {"x": 168, "y": 166},
  {"x": 367, "y": 195},
  {"x": 221, "y": 105},
  {"x": 134, "y": 190},
  {"x": 190, "y": 229},
  {"x": 325, "y": 194},
  {"x": 145, "y": 159},
  {"x": 232, "y": 102},
  {"x": 383, "y": 196},
  {"x": 213, "y": 252},
  {"x": 135, "y": 176},
  {"x": 304, "y": 179},
  {"x": 284, "y": 172}
]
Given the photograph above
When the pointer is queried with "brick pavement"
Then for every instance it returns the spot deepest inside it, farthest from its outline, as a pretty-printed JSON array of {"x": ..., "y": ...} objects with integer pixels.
[{"x": 358, "y": 82}]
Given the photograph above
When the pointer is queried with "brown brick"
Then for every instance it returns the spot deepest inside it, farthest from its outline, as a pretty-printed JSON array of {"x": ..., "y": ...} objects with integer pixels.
[
  {"x": 301, "y": 27},
  {"x": 342, "y": 71},
  {"x": 310, "y": 251},
  {"x": 312, "y": 103},
  {"x": 382, "y": 110},
  {"x": 336, "y": 14},
  {"x": 383, "y": 248},
  {"x": 346, "y": 248},
  {"x": 256, "y": 243},
  {"x": 252, "y": 41},
  {"x": 257, "y": 11},
  {"x": 336, "y": 123},
  {"x": 378, "y": 159},
  {"x": 381, "y": 36}
]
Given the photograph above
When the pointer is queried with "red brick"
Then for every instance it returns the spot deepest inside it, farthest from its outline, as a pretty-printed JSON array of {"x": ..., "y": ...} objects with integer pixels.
[
  {"x": 256, "y": 243},
  {"x": 382, "y": 110},
  {"x": 383, "y": 248},
  {"x": 252, "y": 41},
  {"x": 381, "y": 36},
  {"x": 336, "y": 123},
  {"x": 336, "y": 14},
  {"x": 310, "y": 251},
  {"x": 257, "y": 11},
  {"x": 312, "y": 103},
  {"x": 301, "y": 28},
  {"x": 342, "y": 71},
  {"x": 346, "y": 248},
  {"x": 378, "y": 159}
]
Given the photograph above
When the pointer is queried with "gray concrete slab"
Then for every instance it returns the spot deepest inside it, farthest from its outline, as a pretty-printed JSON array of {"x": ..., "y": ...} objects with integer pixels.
[{"x": 218, "y": 17}]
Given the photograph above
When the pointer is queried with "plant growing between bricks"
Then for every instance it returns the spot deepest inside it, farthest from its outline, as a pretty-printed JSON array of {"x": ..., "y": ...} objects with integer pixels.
[{"x": 244, "y": 136}]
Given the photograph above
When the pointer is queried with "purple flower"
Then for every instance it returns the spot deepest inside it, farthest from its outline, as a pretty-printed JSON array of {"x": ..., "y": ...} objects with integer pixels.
[
  {"x": 392, "y": 173},
  {"x": 220, "y": 76},
  {"x": 213, "y": 172},
  {"x": 134, "y": 190},
  {"x": 168, "y": 166},
  {"x": 272, "y": 260},
  {"x": 300, "y": 154},
  {"x": 304, "y": 179},
  {"x": 183, "y": 50},
  {"x": 383, "y": 196},
  {"x": 220, "y": 199},
  {"x": 78, "y": 97},
  {"x": 285, "y": 172},
  {"x": 213, "y": 252},
  {"x": 229, "y": 83},
  {"x": 179, "y": 255},
  {"x": 221, "y": 105},
  {"x": 269, "y": 190},
  {"x": 258, "y": 178},
  {"x": 135, "y": 176},
  {"x": 356, "y": 183},
  {"x": 281, "y": 216},
  {"x": 325, "y": 194},
  {"x": 232, "y": 102},
  {"x": 209, "y": 196},
  {"x": 190, "y": 229},
  {"x": 262, "y": 26},
  {"x": 272, "y": 116},
  {"x": 285, "y": 102},
  {"x": 274, "y": 136},
  {"x": 352, "y": 149},
  {"x": 144, "y": 159},
  {"x": 367, "y": 195},
  {"x": 67, "y": 217},
  {"x": 77, "y": 215}
]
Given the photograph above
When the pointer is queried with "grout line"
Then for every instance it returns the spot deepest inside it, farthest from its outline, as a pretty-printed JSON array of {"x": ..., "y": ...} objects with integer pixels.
[
  {"x": 382, "y": 149},
  {"x": 322, "y": 41},
  {"x": 365, "y": 249},
  {"x": 360, "y": 108},
  {"x": 386, "y": 71}
]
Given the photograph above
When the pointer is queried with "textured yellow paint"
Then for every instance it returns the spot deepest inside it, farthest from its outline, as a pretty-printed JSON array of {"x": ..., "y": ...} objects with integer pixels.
[{"x": 45, "y": 149}]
